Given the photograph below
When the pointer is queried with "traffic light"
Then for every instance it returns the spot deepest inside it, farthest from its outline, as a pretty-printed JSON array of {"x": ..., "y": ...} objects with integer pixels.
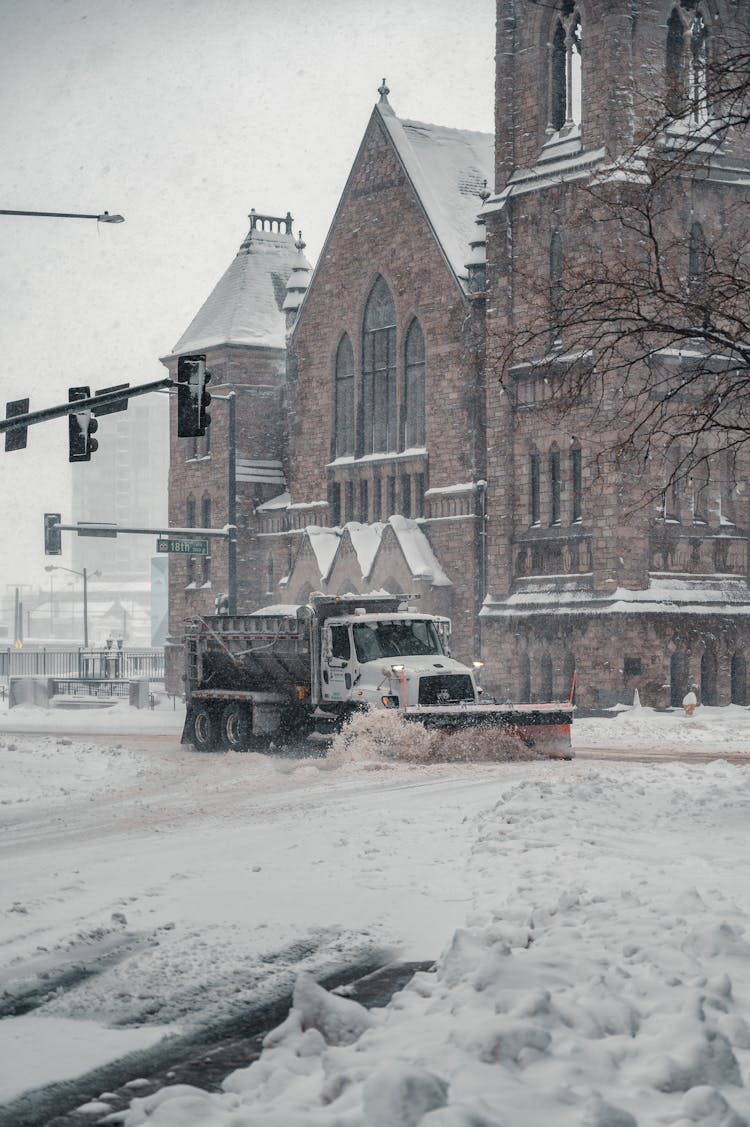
[
  {"x": 81, "y": 426},
  {"x": 192, "y": 396},
  {"x": 52, "y": 535},
  {"x": 16, "y": 439}
]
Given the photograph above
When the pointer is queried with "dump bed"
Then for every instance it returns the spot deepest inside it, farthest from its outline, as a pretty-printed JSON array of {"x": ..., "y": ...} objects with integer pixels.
[{"x": 261, "y": 652}]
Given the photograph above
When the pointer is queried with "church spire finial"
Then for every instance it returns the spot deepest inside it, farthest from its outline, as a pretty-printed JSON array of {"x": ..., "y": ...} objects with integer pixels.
[{"x": 384, "y": 92}]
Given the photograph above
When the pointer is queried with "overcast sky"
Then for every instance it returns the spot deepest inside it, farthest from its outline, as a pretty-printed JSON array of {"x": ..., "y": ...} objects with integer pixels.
[{"x": 181, "y": 115}]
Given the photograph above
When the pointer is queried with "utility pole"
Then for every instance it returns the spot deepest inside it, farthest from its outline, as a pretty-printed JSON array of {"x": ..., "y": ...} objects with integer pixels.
[
  {"x": 232, "y": 505},
  {"x": 85, "y": 609}
]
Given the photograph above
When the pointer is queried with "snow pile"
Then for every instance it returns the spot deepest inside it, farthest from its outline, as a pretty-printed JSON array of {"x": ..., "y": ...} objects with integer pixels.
[
  {"x": 601, "y": 980},
  {"x": 119, "y": 717},
  {"x": 51, "y": 768},
  {"x": 709, "y": 729}
]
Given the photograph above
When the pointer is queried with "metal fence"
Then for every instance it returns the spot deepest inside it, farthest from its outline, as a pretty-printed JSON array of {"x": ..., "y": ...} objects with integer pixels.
[
  {"x": 125, "y": 665},
  {"x": 90, "y": 687}
]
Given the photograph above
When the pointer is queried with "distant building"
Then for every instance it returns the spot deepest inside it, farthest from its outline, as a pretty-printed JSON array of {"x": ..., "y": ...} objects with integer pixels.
[
  {"x": 125, "y": 483},
  {"x": 375, "y": 445}
]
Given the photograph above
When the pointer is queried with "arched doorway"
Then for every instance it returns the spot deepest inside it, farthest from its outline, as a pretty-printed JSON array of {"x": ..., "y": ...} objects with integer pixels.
[
  {"x": 739, "y": 678},
  {"x": 678, "y": 677},
  {"x": 545, "y": 672},
  {"x": 709, "y": 690},
  {"x": 569, "y": 669},
  {"x": 524, "y": 683}
]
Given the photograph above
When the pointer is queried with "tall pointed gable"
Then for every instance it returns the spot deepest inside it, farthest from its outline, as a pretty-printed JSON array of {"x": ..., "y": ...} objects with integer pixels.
[
  {"x": 245, "y": 307},
  {"x": 449, "y": 170}
]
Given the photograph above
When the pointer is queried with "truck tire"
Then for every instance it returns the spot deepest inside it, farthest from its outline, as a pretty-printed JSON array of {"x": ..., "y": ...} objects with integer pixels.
[
  {"x": 237, "y": 727},
  {"x": 205, "y": 734}
]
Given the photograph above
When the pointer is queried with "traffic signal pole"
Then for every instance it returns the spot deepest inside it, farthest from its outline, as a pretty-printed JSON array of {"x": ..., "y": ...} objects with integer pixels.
[
  {"x": 92, "y": 403},
  {"x": 86, "y": 528}
]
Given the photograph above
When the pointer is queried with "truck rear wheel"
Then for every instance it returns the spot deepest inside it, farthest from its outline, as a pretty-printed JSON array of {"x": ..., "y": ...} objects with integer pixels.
[
  {"x": 205, "y": 733},
  {"x": 237, "y": 727}
]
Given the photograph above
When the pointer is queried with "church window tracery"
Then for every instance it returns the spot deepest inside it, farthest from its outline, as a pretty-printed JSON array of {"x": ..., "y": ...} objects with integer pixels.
[
  {"x": 379, "y": 403},
  {"x": 414, "y": 389},
  {"x": 566, "y": 71},
  {"x": 687, "y": 62},
  {"x": 344, "y": 394}
]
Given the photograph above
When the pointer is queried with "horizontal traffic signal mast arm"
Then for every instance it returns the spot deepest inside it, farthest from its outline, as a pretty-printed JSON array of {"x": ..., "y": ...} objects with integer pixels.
[
  {"x": 92, "y": 528},
  {"x": 104, "y": 399}
]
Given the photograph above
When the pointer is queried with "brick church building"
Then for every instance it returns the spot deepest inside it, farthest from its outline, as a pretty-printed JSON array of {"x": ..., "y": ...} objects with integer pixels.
[{"x": 362, "y": 437}]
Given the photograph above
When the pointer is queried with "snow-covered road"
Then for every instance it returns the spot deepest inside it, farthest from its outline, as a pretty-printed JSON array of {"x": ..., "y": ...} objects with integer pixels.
[
  {"x": 189, "y": 883},
  {"x": 588, "y": 920}
]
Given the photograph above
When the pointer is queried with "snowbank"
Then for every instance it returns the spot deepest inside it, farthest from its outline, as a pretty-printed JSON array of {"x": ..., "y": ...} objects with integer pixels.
[
  {"x": 590, "y": 922},
  {"x": 709, "y": 729},
  {"x": 602, "y": 979}
]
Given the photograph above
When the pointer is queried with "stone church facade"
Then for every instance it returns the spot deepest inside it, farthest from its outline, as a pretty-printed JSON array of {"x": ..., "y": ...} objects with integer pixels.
[{"x": 375, "y": 445}]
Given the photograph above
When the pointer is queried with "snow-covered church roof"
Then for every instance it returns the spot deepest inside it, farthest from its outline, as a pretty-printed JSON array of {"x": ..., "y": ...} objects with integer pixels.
[
  {"x": 246, "y": 305},
  {"x": 449, "y": 170}
]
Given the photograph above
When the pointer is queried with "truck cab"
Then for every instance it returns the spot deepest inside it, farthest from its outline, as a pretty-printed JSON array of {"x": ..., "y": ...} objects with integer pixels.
[{"x": 392, "y": 660}]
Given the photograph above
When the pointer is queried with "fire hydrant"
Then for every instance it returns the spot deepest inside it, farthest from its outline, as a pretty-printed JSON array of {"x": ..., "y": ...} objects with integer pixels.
[{"x": 689, "y": 702}]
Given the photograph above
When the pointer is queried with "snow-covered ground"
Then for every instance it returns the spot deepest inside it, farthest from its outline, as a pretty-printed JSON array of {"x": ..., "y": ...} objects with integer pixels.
[{"x": 589, "y": 922}]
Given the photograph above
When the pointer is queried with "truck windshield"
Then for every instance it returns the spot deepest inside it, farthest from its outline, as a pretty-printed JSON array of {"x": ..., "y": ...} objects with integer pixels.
[{"x": 374, "y": 640}]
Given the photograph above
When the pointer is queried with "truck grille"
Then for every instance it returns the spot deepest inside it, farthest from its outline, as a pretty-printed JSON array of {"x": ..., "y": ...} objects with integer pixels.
[{"x": 445, "y": 689}]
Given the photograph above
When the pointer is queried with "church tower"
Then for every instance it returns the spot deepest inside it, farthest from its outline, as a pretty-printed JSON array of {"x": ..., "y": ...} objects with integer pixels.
[
  {"x": 222, "y": 478},
  {"x": 620, "y": 559}
]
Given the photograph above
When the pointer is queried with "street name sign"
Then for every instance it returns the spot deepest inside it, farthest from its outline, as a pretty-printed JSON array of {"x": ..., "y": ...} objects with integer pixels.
[{"x": 182, "y": 546}]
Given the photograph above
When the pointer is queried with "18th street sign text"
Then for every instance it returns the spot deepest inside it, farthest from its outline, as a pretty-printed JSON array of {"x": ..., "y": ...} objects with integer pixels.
[{"x": 184, "y": 547}]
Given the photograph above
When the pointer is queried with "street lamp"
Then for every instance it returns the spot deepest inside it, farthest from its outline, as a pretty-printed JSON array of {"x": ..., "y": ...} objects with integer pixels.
[
  {"x": 103, "y": 217},
  {"x": 84, "y": 575}
]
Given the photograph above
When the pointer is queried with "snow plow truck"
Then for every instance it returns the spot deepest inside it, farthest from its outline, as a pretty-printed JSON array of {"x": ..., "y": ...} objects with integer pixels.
[{"x": 289, "y": 673}]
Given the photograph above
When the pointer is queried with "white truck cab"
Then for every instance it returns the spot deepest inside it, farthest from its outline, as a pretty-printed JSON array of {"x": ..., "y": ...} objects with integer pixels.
[{"x": 391, "y": 661}]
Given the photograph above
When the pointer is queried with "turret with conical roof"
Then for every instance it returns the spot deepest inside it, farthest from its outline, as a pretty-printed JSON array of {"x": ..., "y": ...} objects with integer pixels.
[
  {"x": 223, "y": 477},
  {"x": 246, "y": 306}
]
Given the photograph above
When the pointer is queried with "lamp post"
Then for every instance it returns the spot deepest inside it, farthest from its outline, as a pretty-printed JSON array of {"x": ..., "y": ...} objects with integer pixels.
[
  {"x": 84, "y": 575},
  {"x": 102, "y": 217}
]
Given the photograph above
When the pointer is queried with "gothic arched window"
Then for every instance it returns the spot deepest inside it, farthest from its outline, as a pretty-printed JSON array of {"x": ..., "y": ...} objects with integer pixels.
[
  {"x": 697, "y": 258},
  {"x": 576, "y": 482},
  {"x": 687, "y": 62},
  {"x": 698, "y": 67},
  {"x": 675, "y": 63},
  {"x": 414, "y": 405},
  {"x": 535, "y": 507},
  {"x": 555, "y": 483},
  {"x": 206, "y": 521},
  {"x": 555, "y": 284},
  {"x": 566, "y": 72},
  {"x": 379, "y": 406},
  {"x": 190, "y": 515},
  {"x": 344, "y": 399}
]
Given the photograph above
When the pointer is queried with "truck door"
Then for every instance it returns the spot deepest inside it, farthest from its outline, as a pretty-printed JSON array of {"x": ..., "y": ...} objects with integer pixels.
[{"x": 336, "y": 664}]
